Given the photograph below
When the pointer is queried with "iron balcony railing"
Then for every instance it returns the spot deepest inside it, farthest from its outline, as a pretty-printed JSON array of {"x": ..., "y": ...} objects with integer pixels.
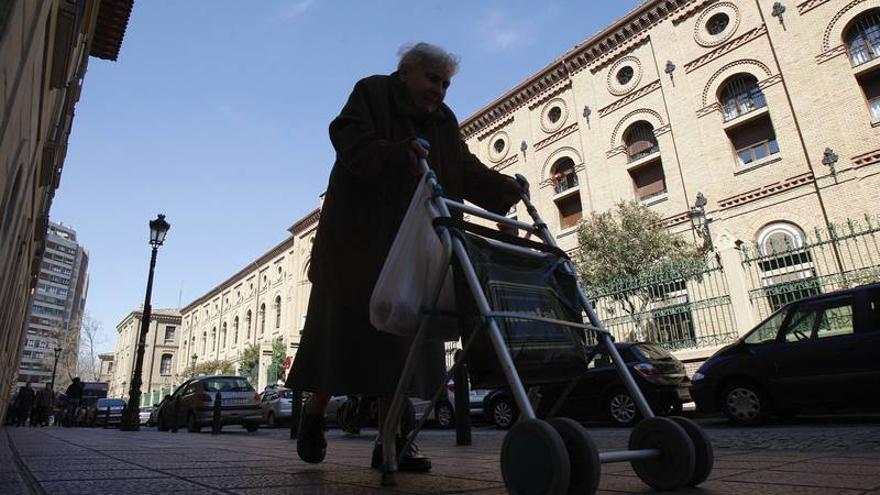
[{"x": 565, "y": 182}]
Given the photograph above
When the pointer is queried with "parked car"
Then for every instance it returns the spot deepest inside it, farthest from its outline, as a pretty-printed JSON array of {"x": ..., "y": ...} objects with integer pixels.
[
  {"x": 97, "y": 413},
  {"x": 144, "y": 414},
  {"x": 600, "y": 392},
  {"x": 276, "y": 405},
  {"x": 818, "y": 353},
  {"x": 240, "y": 404}
]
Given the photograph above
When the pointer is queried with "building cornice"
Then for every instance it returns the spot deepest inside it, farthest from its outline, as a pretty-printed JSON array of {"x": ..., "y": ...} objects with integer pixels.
[
  {"x": 598, "y": 50},
  {"x": 305, "y": 222},
  {"x": 159, "y": 315}
]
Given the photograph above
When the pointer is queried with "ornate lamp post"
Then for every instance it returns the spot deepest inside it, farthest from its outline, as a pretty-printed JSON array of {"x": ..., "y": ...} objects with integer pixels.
[
  {"x": 131, "y": 422},
  {"x": 700, "y": 222}
]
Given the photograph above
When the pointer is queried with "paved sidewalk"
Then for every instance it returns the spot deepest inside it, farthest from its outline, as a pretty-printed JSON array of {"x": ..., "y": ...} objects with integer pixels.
[{"x": 98, "y": 461}]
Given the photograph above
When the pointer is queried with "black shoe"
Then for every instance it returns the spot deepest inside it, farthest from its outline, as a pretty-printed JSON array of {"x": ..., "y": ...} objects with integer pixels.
[
  {"x": 310, "y": 442},
  {"x": 412, "y": 461}
]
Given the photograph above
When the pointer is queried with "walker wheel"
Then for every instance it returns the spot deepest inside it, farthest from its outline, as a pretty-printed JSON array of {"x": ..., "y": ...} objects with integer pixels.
[
  {"x": 705, "y": 457},
  {"x": 674, "y": 468},
  {"x": 534, "y": 460},
  {"x": 583, "y": 456}
]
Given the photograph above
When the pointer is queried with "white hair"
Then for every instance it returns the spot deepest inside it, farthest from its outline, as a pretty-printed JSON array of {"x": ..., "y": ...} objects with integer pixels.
[{"x": 427, "y": 56}]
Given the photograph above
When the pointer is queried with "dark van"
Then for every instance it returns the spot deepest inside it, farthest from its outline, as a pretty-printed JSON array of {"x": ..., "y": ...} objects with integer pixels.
[{"x": 818, "y": 353}]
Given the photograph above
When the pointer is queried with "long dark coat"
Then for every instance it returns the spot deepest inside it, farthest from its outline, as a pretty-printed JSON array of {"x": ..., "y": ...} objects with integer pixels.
[{"x": 367, "y": 197}]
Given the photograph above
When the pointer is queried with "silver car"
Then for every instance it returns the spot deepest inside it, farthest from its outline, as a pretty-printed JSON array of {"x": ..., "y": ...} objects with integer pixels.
[
  {"x": 276, "y": 405},
  {"x": 192, "y": 404}
]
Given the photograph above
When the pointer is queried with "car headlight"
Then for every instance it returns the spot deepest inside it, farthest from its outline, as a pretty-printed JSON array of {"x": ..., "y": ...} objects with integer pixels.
[{"x": 697, "y": 377}]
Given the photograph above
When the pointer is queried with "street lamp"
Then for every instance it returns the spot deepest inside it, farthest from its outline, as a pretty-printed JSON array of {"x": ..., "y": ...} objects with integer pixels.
[
  {"x": 700, "y": 222},
  {"x": 131, "y": 422},
  {"x": 55, "y": 368}
]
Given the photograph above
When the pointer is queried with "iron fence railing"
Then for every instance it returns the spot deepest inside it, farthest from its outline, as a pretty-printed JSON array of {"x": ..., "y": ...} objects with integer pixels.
[
  {"x": 682, "y": 307},
  {"x": 826, "y": 259}
]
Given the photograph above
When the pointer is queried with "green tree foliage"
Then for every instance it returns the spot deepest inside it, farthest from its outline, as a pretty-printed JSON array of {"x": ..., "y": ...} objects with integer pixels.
[
  {"x": 216, "y": 367},
  {"x": 625, "y": 252},
  {"x": 249, "y": 363}
]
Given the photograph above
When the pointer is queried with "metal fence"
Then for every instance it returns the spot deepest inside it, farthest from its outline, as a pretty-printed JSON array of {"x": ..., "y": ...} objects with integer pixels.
[
  {"x": 823, "y": 260},
  {"x": 680, "y": 308}
]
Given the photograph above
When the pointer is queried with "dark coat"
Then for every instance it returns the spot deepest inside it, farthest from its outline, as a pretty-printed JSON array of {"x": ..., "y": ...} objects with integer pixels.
[{"x": 371, "y": 185}]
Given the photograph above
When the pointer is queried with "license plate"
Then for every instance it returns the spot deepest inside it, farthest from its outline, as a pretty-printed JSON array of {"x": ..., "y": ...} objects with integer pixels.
[{"x": 683, "y": 393}]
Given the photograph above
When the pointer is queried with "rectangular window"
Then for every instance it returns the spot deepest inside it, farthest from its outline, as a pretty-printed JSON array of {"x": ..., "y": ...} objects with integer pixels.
[
  {"x": 870, "y": 84},
  {"x": 649, "y": 181},
  {"x": 754, "y": 140},
  {"x": 570, "y": 211},
  {"x": 169, "y": 333}
]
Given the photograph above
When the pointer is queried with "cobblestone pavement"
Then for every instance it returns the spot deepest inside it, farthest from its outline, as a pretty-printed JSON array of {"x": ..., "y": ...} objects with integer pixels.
[{"x": 808, "y": 457}]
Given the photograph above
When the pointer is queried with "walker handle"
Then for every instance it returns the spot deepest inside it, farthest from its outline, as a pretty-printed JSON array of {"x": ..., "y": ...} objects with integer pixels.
[
  {"x": 524, "y": 184},
  {"x": 423, "y": 162}
]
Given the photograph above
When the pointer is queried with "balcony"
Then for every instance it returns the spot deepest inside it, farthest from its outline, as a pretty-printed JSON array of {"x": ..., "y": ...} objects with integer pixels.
[
  {"x": 564, "y": 182},
  {"x": 863, "y": 51},
  {"x": 743, "y": 104}
]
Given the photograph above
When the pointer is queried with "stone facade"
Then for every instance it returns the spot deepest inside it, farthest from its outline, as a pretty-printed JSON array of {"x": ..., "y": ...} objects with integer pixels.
[
  {"x": 772, "y": 114},
  {"x": 105, "y": 373},
  {"x": 44, "y": 53},
  {"x": 264, "y": 301},
  {"x": 161, "y": 355}
]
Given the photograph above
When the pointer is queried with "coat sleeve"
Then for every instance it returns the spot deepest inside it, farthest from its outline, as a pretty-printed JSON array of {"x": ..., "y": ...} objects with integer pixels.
[
  {"x": 358, "y": 146},
  {"x": 486, "y": 188}
]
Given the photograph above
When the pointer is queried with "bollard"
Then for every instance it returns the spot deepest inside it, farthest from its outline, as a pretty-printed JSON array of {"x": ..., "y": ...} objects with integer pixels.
[
  {"x": 176, "y": 415},
  {"x": 107, "y": 417},
  {"x": 462, "y": 404},
  {"x": 215, "y": 424},
  {"x": 296, "y": 407}
]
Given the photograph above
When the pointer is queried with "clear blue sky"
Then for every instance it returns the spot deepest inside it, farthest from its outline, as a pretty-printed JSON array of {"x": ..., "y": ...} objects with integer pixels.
[{"x": 216, "y": 114}]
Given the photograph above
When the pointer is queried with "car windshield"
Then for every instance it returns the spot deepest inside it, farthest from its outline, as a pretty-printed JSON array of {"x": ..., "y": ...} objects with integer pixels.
[
  {"x": 110, "y": 403},
  {"x": 766, "y": 331},
  {"x": 653, "y": 352},
  {"x": 227, "y": 385}
]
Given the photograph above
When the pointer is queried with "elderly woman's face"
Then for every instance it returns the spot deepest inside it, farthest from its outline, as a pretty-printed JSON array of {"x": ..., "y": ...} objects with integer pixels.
[{"x": 426, "y": 86}]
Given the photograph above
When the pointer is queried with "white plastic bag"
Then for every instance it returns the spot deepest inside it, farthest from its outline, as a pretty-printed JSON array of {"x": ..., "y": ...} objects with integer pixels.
[{"x": 415, "y": 265}]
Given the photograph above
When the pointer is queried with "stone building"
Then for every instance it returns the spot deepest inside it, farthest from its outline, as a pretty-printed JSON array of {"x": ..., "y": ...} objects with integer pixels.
[
  {"x": 751, "y": 126},
  {"x": 105, "y": 373},
  {"x": 56, "y": 313},
  {"x": 264, "y": 301},
  {"x": 161, "y": 355},
  {"x": 44, "y": 53}
]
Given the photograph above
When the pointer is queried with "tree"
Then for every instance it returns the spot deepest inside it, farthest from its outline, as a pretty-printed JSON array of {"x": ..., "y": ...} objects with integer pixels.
[
  {"x": 249, "y": 362},
  {"x": 215, "y": 367},
  {"x": 625, "y": 253},
  {"x": 89, "y": 364}
]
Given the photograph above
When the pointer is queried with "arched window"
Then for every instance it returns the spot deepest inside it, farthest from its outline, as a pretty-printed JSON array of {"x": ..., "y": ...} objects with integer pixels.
[
  {"x": 862, "y": 38},
  {"x": 740, "y": 95},
  {"x": 235, "y": 331},
  {"x": 753, "y": 138},
  {"x": 564, "y": 176},
  {"x": 204, "y": 342},
  {"x": 785, "y": 264},
  {"x": 165, "y": 364},
  {"x": 247, "y": 324},
  {"x": 640, "y": 141},
  {"x": 277, "y": 311},
  {"x": 213, "y": 339},
  {"x": 262, "y": 318},
  {"x": 223, "y": 336}
]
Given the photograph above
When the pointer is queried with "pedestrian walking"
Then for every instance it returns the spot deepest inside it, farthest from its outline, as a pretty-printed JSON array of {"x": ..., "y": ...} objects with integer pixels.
[
  {"x": 371, "y": 184},
  {"x": 24, "y": 403},
  {"x": 74, "y": 397},
  {"x": 42, "y": 404}
]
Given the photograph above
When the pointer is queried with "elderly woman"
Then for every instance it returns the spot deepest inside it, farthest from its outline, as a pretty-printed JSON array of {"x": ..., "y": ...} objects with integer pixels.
[{"x": 372, "y": 181}]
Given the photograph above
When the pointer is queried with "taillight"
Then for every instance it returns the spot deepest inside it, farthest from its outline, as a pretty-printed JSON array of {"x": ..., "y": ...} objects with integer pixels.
[
  {"x": 257, "y": 397},
  {"x": 646, "y": 369},
  {"x": 451, "y": 387}
]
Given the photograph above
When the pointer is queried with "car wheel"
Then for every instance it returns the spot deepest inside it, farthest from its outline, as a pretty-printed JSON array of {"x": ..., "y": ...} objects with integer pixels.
[
  {"x": 745, "y": 404},
  {"x": 270, "y": 421},
  {"x": 192, "y": 424},
  {"x": 504, "y": 413},
  {"x": 621, "y": 408},
  {"x": 445, "y": 415},
  {"x": 251, "y": 427},
  {"x": 163, "y": 426}
]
